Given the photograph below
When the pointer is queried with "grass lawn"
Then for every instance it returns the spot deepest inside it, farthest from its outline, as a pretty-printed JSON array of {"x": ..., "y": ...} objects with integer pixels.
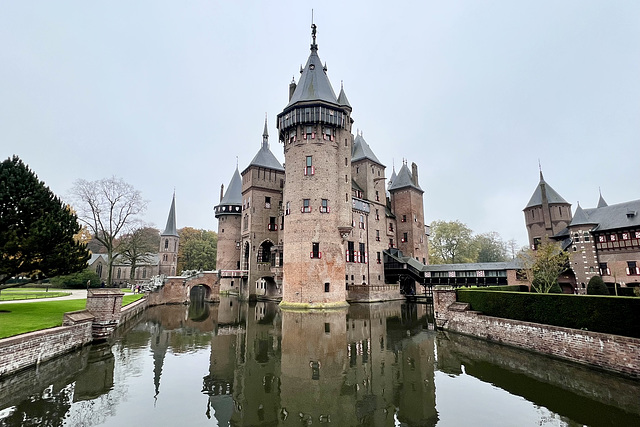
[
  {"x": 12, "y": 294},
  {"x": 33, "y": 316}
]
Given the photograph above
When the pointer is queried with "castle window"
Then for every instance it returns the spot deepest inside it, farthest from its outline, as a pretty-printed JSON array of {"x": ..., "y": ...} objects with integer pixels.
[
  {"x": 378, "y": 260},
  {"x": 345, "y": 161},
  {"x": 287, "y": 210},
  {"x": 536, "y": 242},
  {"x": 351, "y": 252},
  {"x": 405, "y": 237},
  {"x": 326, "y": 287},
  {"x": 361, "y": 224},
  {"x": 637, "y": 234},
  {"x": 626, "y": 236},
  {"x": 604, "y": 270},
  {"x": 391, "y": 243},
  {"x": 404, "y": 218},
  {"x": 144, "y": 273},
  {"x": 272, "y": 224},
  {"x": 357, "y": 169},
  {"x": 327, "y": 134},
  {"x": 267, "y": 202},
  {"x": 632, "y": 269},
  {"x": 377, "y": 215},
  {"x": 324, "y": 208},
  {"x": 377, "y": 196},
  {"x": 309, "y": 134},
  {"x": 613, "y": 237},
  {"x": 315, "y": 251},
  {"x": 377, "y": 235},
  {"x": 345, "y": 142},
  {"x": 166, "y": 243},
  {"x": 309, "y": 169},
  {"x": 363, "y": 254},
  {"x": 119, "y": 273},
  {"x": 390, "y": 226},
  {"x": 306, "y": 207},
  {"x": 245, "y": 221},
  {"x": 587, "y": 238}
]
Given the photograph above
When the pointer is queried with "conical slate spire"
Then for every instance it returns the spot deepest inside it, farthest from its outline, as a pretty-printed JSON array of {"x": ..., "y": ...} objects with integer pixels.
[
  {"x": 170, "y": 229},
  {"x": 552, "y": 195},
  {"x": 314, "y": 84},
  {"x": 404, "y": 179},
  {"x": 342, "y": 97},
  {"x": 265, "y": 134},
  {"x": 361, "y": 150},
  {"x": 581, "y": 217},
  {"x": 601, "y": 202}
]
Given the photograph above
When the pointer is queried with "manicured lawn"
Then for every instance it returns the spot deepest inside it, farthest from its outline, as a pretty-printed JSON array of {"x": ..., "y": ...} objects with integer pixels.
[
  {"x": 32, "y": 316},
  {"x": 129, "y": 298},
  {"x": 29, "y": 293}
]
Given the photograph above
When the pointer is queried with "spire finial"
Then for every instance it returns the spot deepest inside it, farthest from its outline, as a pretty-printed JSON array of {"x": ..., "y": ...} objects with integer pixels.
[
  {"x": 540, "y": 168},
  {"x": 314, "y": 46},
  {"x": 236, "y": 162},
  {"x": 265, "y": 134}
]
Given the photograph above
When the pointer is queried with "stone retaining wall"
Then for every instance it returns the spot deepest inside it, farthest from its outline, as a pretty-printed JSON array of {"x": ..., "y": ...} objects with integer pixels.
[
  {"x": 609, "y": 352},
  {"x": 28, "y": 349}
]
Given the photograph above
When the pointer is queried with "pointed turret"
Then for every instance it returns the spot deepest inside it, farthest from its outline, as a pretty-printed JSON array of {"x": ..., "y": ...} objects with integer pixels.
[
  {"x": 404, "y": 179},
  {"x": 580, "y": 217},
  {"x": 170, "y": 229},
  {"x": 342, "y": 97},
  {"x": 361, "y": 150},
  {"x": 231, "y": 203},
  {"x": 265, "y": 158},
  {"x": 544, "y": 189},
  {"x": 601, "y": 202}
]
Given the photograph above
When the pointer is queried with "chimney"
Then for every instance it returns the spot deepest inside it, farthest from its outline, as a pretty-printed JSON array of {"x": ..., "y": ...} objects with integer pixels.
[
  {"x": 221, "y": 191},
  {"x": 414, "y": 174},
  {"x": 292, "y": 88}
]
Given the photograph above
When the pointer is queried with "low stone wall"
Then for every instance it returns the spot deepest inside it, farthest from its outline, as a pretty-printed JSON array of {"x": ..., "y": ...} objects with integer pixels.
[
  {"x": 609, "y": 352},
  {"x": 130, "y": 311},
  {"x": 28, "y": 349},
  {"x": 373, "y": 293}
]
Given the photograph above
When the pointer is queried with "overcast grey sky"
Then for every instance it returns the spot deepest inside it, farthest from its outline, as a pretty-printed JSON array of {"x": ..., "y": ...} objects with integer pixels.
[{"x": 166, "y": 94}]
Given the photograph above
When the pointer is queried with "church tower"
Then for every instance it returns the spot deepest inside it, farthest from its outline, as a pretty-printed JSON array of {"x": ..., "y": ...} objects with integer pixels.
[
  {"x": 229, "y": 215},
  {"x": 315, "y": 128},
  {"x": 546, "y": 214},
  {"x": 169, "y": 241}
]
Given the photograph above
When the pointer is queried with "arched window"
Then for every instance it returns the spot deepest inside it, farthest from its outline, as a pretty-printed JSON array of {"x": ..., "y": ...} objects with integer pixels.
[
  {"x": 166, "y": 243},
  {"x": 119, "y": 273}
]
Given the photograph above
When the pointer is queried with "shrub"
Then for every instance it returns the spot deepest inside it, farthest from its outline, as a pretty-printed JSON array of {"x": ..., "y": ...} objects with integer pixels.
[
  {"x": 596, "y": 286},
  {"x": 555, "y": 289},
  {"x": 77, "y": 280}
]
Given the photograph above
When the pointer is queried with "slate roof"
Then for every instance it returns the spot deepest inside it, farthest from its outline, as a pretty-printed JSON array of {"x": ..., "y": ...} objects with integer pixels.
[
  {"x": 613, "y": 217},
  {"x": 265, "y": 158},
  {"x": 581, "y": 217},
  {"x": 342, "y": 98},
  {"x": 170, "y": 229},
  {"x": 404, "y": 179},
  {"x": 362, "y": 151},
  {"x": 601, "y": 202},
  {"x": 233, "y": 195},
  {"x": 314, "y": 84},
  {"x": 552, "y": 196}
]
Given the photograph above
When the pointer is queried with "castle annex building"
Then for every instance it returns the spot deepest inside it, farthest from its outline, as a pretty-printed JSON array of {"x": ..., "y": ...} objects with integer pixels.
[
  {"x": 604, "y": 240},
  {"x": 313, "y": 233}
]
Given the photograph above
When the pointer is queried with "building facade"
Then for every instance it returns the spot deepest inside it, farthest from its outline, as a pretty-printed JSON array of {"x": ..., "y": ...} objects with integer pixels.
[
  {"x": 603, "y": 241},
  {"x": 310, "y": 235}
]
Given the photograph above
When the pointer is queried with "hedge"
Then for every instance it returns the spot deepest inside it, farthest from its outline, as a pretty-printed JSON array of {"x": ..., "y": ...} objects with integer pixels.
[{"x": 606, "y": 314}]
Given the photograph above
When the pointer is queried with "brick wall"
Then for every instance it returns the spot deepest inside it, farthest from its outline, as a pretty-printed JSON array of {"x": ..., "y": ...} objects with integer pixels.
[
  {"x": 25, "y": 350},
  {"x": 610, "y": 352}
]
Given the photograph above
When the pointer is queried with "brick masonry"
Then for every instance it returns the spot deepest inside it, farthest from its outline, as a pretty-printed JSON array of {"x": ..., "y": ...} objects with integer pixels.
[{"x": 610, "y": 352}]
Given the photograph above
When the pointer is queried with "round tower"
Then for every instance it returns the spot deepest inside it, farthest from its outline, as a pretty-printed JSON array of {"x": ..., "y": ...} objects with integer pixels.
[
  {"x": 169, "y": 243},
  {"x": 315, "y": 128},
  {"x": 229, "y": 215},
  {"x": 546, "y": 214}
]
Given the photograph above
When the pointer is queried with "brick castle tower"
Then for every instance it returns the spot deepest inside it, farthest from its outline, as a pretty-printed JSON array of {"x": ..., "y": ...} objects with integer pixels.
[{"x": 169, "y": 243}]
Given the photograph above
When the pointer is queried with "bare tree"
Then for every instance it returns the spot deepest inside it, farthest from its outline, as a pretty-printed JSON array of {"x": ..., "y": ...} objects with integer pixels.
[
  {"x": 107, "y": 206},
  {"x": 138, "y": 246}
]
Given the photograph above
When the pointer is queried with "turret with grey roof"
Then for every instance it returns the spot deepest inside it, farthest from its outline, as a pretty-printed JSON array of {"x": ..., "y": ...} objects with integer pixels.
[
  {"x": 231, "y": 202},
  {"x": 405, "y": 179},
  {"x": 265, "y": 158},
  {"x": 544, "y": 190},
  {"x": 170, "y": 229},
  {"x": 362, "y": 151}
]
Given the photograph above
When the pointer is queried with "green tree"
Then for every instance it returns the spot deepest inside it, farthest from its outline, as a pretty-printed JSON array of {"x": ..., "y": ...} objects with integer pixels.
[
  {"x": 450, "y": 242},
  {"x": 36, "y": 229},
  {"x": 138, "y": 247},
  {"x": 489, "y": 247},
  {"x": 543, "y": 265},
  {"x": 107, "y": 206},
  {"x": 198, "y": 249},
  {"x": 596, "y": 286}
]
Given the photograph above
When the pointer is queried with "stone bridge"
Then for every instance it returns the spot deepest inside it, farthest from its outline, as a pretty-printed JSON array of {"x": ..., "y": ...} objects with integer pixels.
[{"x": 178, "y": 289}]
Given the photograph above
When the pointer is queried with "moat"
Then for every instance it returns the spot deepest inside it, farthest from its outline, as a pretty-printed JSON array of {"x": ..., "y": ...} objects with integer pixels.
[{"x": 239, "y": 364}]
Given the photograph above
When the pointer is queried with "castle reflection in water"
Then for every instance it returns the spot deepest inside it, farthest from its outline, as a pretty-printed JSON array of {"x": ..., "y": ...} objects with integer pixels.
[{"x": 253, "y": 364}]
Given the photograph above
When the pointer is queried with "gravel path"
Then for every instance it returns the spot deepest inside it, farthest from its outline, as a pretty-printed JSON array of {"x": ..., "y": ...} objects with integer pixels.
[{"x": 75, "y": 294}]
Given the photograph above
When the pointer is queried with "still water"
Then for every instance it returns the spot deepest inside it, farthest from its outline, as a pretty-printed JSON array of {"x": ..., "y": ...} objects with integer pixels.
[{"x": 234, "y": 364}]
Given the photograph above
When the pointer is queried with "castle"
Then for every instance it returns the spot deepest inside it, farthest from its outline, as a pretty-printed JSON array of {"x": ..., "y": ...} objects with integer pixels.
[
  {"x": 604, "y": 240},
  {"x": 313, "y": 234}
]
